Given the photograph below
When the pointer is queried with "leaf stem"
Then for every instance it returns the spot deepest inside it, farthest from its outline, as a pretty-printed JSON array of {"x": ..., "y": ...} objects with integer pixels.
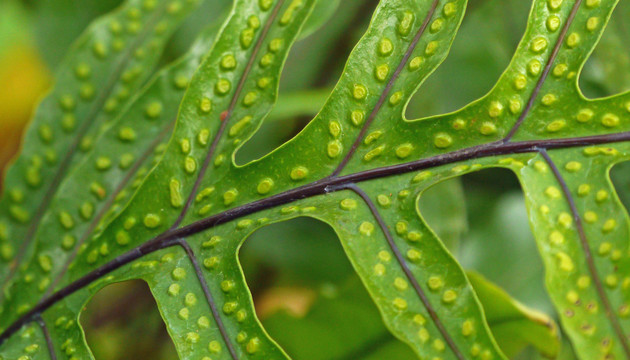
[{"x": 320, "y": 187}]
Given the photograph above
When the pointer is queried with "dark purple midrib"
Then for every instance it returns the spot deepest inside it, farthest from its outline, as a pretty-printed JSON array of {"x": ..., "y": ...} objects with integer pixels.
[
  {"x": 228, "y": 116},
  {"x": 386, "y": 91},
  {"x": 67, "y": 159},
  {"x": 588, "y": 254},
  {"x": 319, "y": 187},
  {"x": 487, "y": 150},
  {"x": 408, "y": 273}
]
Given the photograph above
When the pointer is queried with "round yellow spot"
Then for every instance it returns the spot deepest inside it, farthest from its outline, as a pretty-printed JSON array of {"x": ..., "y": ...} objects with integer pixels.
[
  {"x": 385, "y": 47},
  {"x": 538, "y": 45},
  {"x": 573, "y": 40},
  {"x": 449, "y": 296},
  {"x": 610, "y": 120},
  {"x": 379, "y": 269},
  {"x": 584, "y": 115},
  {"x": 400, "y": 304},
  {"x": 264, "y": 186},
  {"x": 366, "y": 228},
  {"x": 573, "y": 166},
  {"x": 404, "y": 150},
  {"x": 556, "y": 237},
  {"x": 414, "y": 255},
  {"x": 384, "y": 256},
  {"x": 359, "y": 92},
  {"x": 400, "y": 284},
  {"x": 442, "y": 140},
  {"x": 152, "y": 221},
  {"x": 348, "y": 204},
  {"x": 435, "y": 282},
  {"x": 553, "y": 23},
  {"x": 299, "y": 173},
  {"x": 488, "y": 128},
  {"x": 467, "y": 328},
  {"x": 495, "y": 109}
]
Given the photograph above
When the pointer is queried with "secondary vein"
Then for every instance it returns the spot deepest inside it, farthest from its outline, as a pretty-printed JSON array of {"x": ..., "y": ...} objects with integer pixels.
[
  {"x": 588, "y": 254},
  {"x": 228, "y": 116},
  {"x": 83, "y": 129},
  {"x": 410, "y": 276},
  {"x": 209, "y": 298},
  {"x": 110, "y": 200},
  {"x": 545, "y": 74},
  {"x": 388, "y": 88}
]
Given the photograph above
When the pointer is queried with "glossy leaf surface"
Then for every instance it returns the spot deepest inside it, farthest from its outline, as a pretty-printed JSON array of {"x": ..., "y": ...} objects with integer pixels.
[{"x": 361, "y": 167}]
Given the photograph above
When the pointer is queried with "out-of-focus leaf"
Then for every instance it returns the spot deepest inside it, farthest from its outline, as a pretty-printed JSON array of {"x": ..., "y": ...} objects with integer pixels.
[
  {"x": 58, "y": 23},
  {"x": 323, "y": 10},
  {"x": 481, "y": 51},
  {"x": 134, "y": 147},
  {"x": 99, "y": 77},
  {"x": 208, "y": 12},
  {"x": 23, "y": 75},
  {"x": 607, "y": 71},
  {"x": 299, "y": 103},
  {"x": 122, "y": 322},
  {"x": 318, "y": 59},
  {"x": 500, "y": 245},
  {"x": 514, "y": 325},
  {"x": 444, "y": 208},
  {"x": 295, "y": 259},
  {"x": 321, "y": 335}
]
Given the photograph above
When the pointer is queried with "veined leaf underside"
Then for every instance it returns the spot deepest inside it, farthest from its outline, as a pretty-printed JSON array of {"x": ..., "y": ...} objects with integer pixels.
[
  {"x": 66, "y": 124},
  {"x": 360, "y": 166}
]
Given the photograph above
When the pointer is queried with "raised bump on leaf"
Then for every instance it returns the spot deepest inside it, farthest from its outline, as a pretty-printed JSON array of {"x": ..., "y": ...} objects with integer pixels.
[{"x": 451, "y": 145}]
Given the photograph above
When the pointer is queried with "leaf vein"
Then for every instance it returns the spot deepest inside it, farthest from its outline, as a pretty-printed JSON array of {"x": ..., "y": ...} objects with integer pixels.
[
  {"x": 588, "y": 254},
  {"x": 410, "y": 276}
]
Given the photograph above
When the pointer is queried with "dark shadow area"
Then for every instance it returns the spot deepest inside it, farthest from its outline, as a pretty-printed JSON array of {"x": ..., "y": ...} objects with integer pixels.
[
  {"x": 481, "y": 51},
  {"x": 607, "y": 70},
  {"x": 308, "y": 297},
  {"x": 122, "y": 321}
]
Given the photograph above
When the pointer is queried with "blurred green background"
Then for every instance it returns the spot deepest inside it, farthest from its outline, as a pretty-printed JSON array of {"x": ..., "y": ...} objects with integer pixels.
[{"x": 304, "y": 288}]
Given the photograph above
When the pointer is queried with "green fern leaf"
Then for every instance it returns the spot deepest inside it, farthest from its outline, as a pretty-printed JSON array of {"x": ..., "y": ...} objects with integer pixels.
[
  {"x": 107, "y": 65},
  {"x": 361, "y": 167}
]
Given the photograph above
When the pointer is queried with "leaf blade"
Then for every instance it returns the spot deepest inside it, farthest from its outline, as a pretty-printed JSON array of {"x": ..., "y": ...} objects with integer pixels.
[{"x": 68, "y": 119}]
